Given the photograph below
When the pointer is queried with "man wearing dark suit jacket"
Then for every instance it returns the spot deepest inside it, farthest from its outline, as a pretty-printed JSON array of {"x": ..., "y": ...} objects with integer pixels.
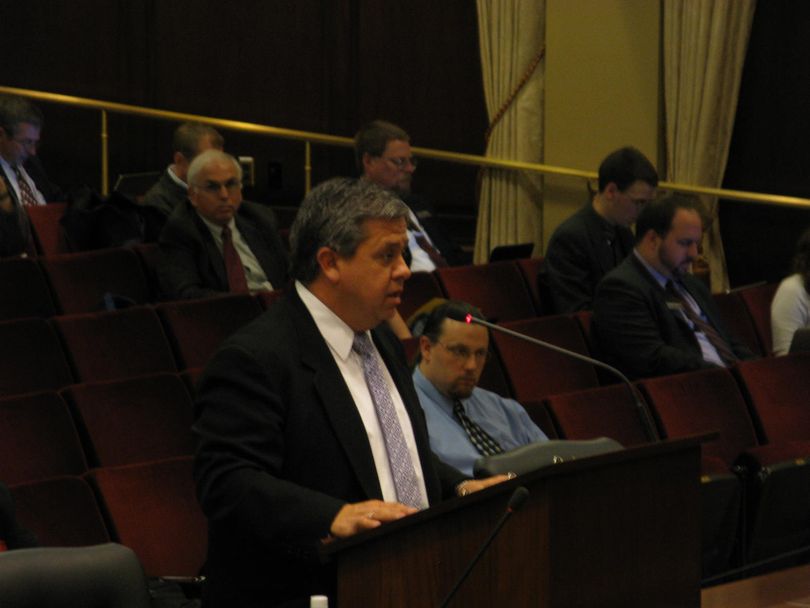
[
  {"x": 383, "y": 155},
  {"x": 20, "y": 127},
  {"x": 189, "y": 140},
  {"x": 212, "y": 225},
  {"x": 595, "y": 240},
  {"x": 651, "y": 317},
  {"x": 291, "y": 450}
]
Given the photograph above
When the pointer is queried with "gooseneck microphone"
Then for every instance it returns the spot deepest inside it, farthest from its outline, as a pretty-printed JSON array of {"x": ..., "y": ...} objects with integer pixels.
[
  {"x": 516, "y": 501},
  {"x": 643, "y": 412}
]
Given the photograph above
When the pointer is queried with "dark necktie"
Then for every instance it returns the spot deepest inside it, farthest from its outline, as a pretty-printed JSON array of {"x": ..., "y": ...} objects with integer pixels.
[
  {"x": 482, "y": 440},
  {"x": 233, "y": 264},
  {"x": 399, "y": 458},
  {"x": 715, "y": 339},
  {"x": 27, "y": 197},
  {"x": 433, "y": 253}
]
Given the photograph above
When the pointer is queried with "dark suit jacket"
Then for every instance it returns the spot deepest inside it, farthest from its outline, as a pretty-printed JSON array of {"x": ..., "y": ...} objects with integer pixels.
[
  {"x": 281, "y": 448},
  {"x": 579, "y": 255},
  {"x": 636, "y": 330},
  {"x": 192, "y": 265},
  {"x": 424, "y": 212},
  {"x": 165, "y": 194}
]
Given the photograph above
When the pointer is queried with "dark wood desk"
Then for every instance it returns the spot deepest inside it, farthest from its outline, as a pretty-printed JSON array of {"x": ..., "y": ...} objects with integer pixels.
[
  {"x": 620, "y": 529},
  {"x": 784, "y": 589}
]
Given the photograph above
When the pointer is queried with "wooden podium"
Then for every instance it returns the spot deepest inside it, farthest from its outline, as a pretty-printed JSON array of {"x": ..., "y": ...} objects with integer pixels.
[{"x": 620, "y": 529}]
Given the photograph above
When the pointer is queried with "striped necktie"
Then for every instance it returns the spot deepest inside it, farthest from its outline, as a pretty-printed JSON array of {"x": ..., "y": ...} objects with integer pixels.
[
  {"x": 712, "y": 335},
  {"x": 483, "y": 441}
]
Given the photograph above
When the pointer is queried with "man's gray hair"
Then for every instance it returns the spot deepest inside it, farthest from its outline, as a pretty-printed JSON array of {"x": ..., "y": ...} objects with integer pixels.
[
  {"x": 16, "y": 110},
  {"x": 209, "y": 156},
  {"x": 332, "y": 215}
]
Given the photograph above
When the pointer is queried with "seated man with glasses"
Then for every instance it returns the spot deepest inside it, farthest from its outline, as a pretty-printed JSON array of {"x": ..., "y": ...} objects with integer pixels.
[
  {"x": 20, "y": 127},
  {"x": 217, "y": 243},
  {"x": 464, "y": 421},
  {"x": 597, "y": 238},
  {"x": 383, "y": 155}
]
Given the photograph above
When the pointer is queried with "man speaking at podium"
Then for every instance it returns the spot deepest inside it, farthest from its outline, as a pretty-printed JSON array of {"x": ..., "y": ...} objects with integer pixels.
[{"x": 307, "y": 421}]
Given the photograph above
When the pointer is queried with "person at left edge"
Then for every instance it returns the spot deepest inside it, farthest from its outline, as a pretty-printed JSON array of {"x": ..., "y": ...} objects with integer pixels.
[{"x": 290, "y": 447}]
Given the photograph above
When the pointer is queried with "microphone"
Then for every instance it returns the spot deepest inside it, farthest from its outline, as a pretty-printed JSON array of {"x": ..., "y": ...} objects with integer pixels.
[
  {"x": 516, "y": 501},
  {"x": 643, "y": 412}
]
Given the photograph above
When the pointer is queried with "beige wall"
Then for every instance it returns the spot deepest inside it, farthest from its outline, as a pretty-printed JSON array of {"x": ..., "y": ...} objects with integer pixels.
[{"x": 602, "y": 90}]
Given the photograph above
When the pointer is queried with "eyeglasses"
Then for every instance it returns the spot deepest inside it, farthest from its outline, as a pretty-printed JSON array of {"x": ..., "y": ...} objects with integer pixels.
[
  {"x": 462, "y": 354},
  {"x": 28, "y": 143},
  {"x": 212, "y": 187},
  {"x": 401, "y": 163}
]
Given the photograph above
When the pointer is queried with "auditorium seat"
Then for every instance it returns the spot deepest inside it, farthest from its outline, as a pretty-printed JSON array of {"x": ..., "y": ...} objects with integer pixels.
[
  {"x": 268, "y": 298},
  {"x": 739, "y": 321},
  {"x": 419, "y": 289},
  {"x": 541, "y": 417},
  {"x": 152, "y": 509},
  {"x": 497, "y": 288},
  {"x": 31, "y": 358},
  {"x": 703, "y": 401},
  {"x": 149, "y": 258},
  {"x": 115, "y": 345},
  {"x": 60, "y": 511},
  {"x": 135, "y": 420},
  {"x": 38, "y": 439},
  {"x": 778, "y": 481},
  {"x": 49, "y": 235},
  {"x": 535, "y": 372},
  {"x": 757, "y": 301},
  {"x": 608, "y": 411},
  {"x": 80, "y": 281},
  {"x": 777, "y": 390},
  {"x": 196, "y": 328},
  {"x": 24, "y": 291},
  {"x": 533, "y": 272}
]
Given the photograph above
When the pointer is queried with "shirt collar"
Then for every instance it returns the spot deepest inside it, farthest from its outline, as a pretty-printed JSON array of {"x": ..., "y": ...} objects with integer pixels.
[
  {"x": 175, "y": 179},
  {"x": 427, "y": 387},
  {"x": 338, "y": 335},
  {"x": 659, "y": 278},
  {"x": 216, "y": 229}
]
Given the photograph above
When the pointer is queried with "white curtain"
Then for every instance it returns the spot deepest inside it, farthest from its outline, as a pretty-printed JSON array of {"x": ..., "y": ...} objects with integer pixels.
[
  {"x": 704, "y": 50},
  {"x": 511, "y": 36}
]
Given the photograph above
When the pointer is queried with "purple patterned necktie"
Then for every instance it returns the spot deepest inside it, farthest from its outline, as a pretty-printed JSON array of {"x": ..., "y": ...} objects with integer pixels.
[{"x": 399, "y": 458}]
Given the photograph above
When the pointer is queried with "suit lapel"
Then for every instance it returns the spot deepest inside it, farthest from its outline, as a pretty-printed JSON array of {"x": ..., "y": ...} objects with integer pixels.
[
  {"x": 336, "y": 399},
  {"x": 210, "y": 250},
  {"x": 602, "y": 252},
  {"x": 258, "y": 246}
]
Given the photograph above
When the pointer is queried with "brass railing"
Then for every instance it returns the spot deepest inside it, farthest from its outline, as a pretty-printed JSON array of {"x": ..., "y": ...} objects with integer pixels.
[{"x": 309, "y": 138}]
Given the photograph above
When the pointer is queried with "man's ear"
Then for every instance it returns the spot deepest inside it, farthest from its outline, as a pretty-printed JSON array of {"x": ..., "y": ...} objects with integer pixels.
[
  {"x": 328, "y": 261},
  {"x": 425, "y": 347},
  {"x": 611, "y": 190},
  {"x": 367, "y": 160}
]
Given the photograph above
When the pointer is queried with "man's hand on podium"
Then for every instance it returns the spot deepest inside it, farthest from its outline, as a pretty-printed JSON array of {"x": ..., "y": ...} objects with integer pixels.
[
  {"x": 474, "y": 485},
  {"x": 359, "y": 516}
]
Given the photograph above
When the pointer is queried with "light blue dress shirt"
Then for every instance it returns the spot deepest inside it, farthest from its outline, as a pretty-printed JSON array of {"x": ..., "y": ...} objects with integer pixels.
[{"x": 504, "y": 419}]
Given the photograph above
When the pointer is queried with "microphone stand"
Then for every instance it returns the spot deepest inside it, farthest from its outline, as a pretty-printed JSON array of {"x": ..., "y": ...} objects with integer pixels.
[{"x": 643, "y": 412}]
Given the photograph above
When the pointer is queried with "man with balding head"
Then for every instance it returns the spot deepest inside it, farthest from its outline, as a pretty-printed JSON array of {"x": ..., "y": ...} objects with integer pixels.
[{"x": 214, "y": 242}]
